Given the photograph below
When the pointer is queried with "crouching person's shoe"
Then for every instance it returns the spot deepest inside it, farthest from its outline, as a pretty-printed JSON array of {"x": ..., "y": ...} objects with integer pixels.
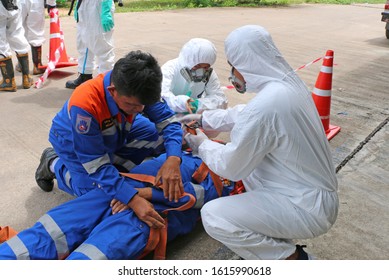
[
  {"x": 72, "y": 84},
  {"x": 302, "y": 255},
  {"x": 43, "y": 176}
]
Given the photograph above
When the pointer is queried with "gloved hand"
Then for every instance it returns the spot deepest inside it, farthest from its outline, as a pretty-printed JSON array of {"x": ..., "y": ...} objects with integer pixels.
[
  {"x": 106, "y": 15},
  {"x": 194, "y": 141},
  {"x": 192, "y": 105},
  {"x": 189, "y": 118}
]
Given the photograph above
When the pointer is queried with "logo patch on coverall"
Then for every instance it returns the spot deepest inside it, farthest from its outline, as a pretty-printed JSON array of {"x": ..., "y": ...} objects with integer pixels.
[{"x": 83, "y": 124}]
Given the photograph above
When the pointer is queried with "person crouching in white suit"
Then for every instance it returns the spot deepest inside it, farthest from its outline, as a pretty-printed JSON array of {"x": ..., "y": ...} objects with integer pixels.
[{"x": 278, "y": 148}]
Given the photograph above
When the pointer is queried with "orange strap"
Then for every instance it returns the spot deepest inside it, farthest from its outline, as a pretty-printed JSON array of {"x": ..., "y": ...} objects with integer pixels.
[
  {"x": 140, "y": 177},
  {"x": 160, "y": 249},
  {"x": 157, "y": 242},
  {"x": 158, "y": 237},
  {"x": 152, "y": 242},
  {"x": 201, "y": 173},
  {"x": 238, "y": 188},
  {"x": 6, "y": 233}
]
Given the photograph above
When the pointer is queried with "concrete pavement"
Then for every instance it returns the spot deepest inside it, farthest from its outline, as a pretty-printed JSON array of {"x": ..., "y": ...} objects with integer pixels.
[{"x": 302, "y": 33}]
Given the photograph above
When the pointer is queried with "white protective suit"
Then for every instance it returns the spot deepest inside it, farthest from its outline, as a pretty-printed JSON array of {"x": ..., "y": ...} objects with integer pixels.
[
  {"x": 278, "y": 148},
  {"x": 176, "y": 90},
  {"x": 33, "y": 15},
  {"x": 12, "y": 32},
  {"x": 92, "y": 42}
]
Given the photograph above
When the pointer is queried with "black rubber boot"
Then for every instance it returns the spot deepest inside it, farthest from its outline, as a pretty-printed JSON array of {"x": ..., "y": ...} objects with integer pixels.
[
  {"x": 37, "y": 60},
  {"x": 43, "y": 176},
  {"x": 7, "y": 70},
  {"x": 80, "y": 79},
  {"x": 24, "y": 64}
]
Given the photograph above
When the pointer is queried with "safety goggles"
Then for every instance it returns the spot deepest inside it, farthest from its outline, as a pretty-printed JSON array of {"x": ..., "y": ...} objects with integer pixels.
[{"x": 238, "y": 84}]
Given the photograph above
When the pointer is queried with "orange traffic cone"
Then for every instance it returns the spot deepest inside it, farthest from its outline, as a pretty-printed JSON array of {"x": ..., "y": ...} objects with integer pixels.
[
  {"x": 57, "y": 54},
  {"x": 322, "y": 94}
]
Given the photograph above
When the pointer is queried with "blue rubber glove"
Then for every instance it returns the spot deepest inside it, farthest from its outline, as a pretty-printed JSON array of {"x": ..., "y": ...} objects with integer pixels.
[{"x": 106, "y": 15}]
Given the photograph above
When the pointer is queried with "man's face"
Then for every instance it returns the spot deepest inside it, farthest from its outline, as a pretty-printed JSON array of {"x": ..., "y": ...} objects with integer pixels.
[{"x": 128, "y": 104}]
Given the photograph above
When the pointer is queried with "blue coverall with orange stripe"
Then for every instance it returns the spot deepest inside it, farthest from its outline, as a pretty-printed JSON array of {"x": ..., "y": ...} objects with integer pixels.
[
  {"x": 84, "y": 228},
  {"x": 91, "y": 136}
]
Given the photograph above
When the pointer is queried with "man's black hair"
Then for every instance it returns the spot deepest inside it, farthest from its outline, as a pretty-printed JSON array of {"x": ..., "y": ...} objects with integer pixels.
[{"x": 138, "y": 74}]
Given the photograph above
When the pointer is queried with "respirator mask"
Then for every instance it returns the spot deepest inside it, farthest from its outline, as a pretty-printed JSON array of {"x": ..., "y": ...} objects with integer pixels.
[{"x": 197, "y": 76}]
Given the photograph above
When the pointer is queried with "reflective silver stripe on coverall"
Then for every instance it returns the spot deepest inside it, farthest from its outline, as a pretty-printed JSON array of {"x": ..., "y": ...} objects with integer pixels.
[
  {"x": 199, "y": 191},
  {"x": 128, "y": 164},
  {"x": 91, "y": 252},
  {"x": 56, "y": 234},
  {"x": 18, "y": 247},
  {"x": 109, "y": 131},
  {"x": 163, "y": 124},
  {"x": 92, "y": 166},
  {"x": 138, "y": 144},
  {"x": 128, "y": 126},
  {"x": 67, "y": 180}
]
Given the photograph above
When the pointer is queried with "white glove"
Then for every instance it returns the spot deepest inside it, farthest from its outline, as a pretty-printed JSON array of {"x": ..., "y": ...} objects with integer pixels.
[
  {"x": 194, "y": 141},
  {"x": 189, "y": 118}
]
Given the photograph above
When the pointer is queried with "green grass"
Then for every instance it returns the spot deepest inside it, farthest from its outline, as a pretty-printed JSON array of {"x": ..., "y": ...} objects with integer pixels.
[{"x": 157, "y": 5}]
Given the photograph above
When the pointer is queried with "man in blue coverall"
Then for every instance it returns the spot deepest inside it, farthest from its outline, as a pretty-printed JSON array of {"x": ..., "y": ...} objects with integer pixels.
[
  {"x": 95, "y": 226},
  {"x": 109, "y": 124}
]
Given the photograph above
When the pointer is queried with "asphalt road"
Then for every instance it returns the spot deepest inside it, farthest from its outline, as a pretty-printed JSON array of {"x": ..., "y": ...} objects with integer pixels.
[{"x": 303, "y": 33}]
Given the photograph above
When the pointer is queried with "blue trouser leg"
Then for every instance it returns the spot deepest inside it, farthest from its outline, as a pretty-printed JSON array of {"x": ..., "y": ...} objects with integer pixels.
[
  {"x": 59, "y": 231},
  {"x": 118, "y": 237}
]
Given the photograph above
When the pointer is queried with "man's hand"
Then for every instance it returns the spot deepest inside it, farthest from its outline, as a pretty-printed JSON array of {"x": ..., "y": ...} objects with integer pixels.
[
  {"x": 170, "y": 176},
  {"x": 194, "y": 141},
  {"x": 144, "y": 210},
  {"x": 117, "y": 206}
]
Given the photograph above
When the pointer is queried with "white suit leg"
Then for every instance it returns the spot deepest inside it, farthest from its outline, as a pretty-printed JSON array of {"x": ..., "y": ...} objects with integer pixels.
[
  {"x": 104, "y": 52},
  {"x": 4, "y": 46},
  {"x": 257, "y": 224},
  {"x": 15, "y": 34},
  {"x": 92, "y": 42},
  {"x": 33, "y": 14},
  {"x": 85, "y": 54}
]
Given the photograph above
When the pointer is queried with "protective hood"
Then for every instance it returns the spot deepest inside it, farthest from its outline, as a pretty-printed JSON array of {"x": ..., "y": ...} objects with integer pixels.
[
  {"x": 196, "y": 51},
  {"x": 251, "y": 50}
]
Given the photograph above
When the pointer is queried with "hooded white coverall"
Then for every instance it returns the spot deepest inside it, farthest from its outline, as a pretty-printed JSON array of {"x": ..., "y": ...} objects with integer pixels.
[
  {"x": 278, "y": 148},
  {"x": 12, "y": 32},
  {"x": 33, "y": 15},
  {"x": 177, "y": 91},
  {"x": 92, "y": 42}
]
